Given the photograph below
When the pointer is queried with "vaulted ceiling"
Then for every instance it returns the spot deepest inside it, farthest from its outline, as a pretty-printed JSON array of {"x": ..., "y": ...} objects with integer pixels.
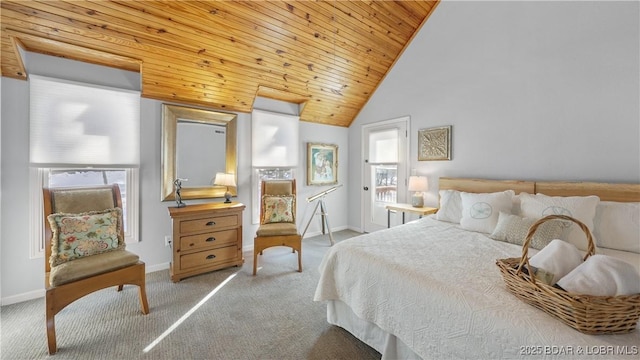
[{"x": 328, "y": 56}]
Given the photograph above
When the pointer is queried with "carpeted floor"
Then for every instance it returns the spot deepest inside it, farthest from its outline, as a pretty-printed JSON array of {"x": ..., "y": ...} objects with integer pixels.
[{"x": 269, "y": 316}]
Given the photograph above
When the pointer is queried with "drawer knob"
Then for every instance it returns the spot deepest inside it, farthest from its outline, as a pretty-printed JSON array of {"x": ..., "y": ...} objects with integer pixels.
[
  {"x": 211, "y": 223},
  {"x": 210, "y": 239},
  {"x": 211, "y": 257}
]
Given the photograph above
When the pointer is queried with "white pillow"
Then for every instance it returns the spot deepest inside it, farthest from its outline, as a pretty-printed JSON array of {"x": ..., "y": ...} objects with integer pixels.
[
  {"x": 617, "y": 225},
  {"x": 582, "y": 208},
  {"x": 516, "y": 204},
  {"x": 602, "y": 275},
  {"x": 480, "y": 211},
  {"x": 450, "y": 206}
]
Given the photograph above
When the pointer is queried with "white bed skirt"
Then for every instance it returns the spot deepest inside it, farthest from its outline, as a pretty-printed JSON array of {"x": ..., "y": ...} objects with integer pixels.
[{"x": 339, "y": 314}]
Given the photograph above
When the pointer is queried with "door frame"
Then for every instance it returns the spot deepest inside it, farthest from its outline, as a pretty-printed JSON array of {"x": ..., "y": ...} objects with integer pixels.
[{"x": 401, "y": 196}]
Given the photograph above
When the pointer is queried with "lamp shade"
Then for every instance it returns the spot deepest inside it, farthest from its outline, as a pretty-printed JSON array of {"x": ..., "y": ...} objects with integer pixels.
[
  {"x": 224, "y": 179},
  {"x": 418, "y": 183}
]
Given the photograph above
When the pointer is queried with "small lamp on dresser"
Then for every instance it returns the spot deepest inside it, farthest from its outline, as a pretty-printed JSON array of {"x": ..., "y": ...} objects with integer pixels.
[
  {"x": 227, "y": 180},
  {"x": 418, "y": 184}
]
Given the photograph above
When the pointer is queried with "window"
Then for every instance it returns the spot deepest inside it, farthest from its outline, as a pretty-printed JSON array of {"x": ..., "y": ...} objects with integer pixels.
[
  {"x": 383, "y": 157},
  {"x": 82, "y": 134},
  {"x": 266, "y": 174},
  {"x": 274, "y": 151},
  {"x": 127, "y": 180},
  {"x": 386, "y": 183},
  {"x": 274, "y": 140}
]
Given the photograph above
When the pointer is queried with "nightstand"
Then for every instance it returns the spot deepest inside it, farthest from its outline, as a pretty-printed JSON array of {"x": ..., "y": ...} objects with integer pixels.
[{"x": 408, "y": 208}]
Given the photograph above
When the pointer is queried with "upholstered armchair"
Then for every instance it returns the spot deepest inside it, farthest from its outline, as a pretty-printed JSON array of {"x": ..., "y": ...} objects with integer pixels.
[
  {"x": 277, "y": 220},
  {"x": 85, "y": 249}
]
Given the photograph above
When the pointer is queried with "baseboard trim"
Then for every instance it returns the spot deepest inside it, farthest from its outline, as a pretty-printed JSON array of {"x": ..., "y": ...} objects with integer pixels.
[
  {"x": 35, "y": 294},
  {"x": 319, "y": 232},
  {"x": 22, "y": 297},
  {"x": 307, "y": 235},
  {"x": 157, "y": 267}
]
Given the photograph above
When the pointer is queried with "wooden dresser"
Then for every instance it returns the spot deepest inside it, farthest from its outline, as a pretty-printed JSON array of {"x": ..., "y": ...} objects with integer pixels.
[{"x": 206, "y": 237}]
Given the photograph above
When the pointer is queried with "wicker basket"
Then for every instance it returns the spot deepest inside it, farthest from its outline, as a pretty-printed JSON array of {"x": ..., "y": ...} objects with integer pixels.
[{"x": 585, "y": 313}]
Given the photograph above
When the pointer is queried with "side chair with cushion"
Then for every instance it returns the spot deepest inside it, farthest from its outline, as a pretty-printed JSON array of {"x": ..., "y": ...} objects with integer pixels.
[
  {"x": 277, "y": 220},
  {"x": 85, "y": 249}
]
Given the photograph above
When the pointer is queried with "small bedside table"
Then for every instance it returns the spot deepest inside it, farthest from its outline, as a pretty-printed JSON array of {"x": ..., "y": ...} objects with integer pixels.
[{"x": 407, "y": 208}]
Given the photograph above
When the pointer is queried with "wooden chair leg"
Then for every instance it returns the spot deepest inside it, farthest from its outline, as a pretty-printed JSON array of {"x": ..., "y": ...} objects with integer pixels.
[
  {"x": 255, "y": 262},
  {"x": 142, "y": 290},
  {"x": 120, "y": 287},
  {"x": 299, "y": 261},
  {"x": 143, "y": 299},
  {"x": 51, "y": 329}
]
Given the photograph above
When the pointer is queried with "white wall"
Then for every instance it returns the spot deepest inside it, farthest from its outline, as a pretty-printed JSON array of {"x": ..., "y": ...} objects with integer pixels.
[
  {"x": 21, "y": 278},
  {"x": 336, "y": 201},
  {"x": 534, "y": 90}
]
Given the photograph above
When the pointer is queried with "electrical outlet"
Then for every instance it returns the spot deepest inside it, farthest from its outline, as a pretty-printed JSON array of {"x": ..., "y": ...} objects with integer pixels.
[{"x": 167, "y": 240}]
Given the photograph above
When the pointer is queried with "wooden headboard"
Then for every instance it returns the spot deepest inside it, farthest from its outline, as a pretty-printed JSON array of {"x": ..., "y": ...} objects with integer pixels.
[
  {"x": 606, "y": 191},
  {"x": 485, "y": 185}
]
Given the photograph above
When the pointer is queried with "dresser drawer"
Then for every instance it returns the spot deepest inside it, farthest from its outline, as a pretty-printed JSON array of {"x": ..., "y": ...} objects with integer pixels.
[
  {"x": 208, "y": 257},
  {"x": 208, "y": 224},
  {"x": 209, "y": 240}
]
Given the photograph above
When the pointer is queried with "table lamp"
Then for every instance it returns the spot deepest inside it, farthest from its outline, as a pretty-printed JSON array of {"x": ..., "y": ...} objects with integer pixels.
[
  {"x": 418, "y": 184},
  {"x": 227, "y": 180}
]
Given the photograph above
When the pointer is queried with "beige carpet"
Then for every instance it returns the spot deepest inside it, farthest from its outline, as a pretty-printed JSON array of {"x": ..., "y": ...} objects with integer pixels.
[{"x": 270, "y": 316}]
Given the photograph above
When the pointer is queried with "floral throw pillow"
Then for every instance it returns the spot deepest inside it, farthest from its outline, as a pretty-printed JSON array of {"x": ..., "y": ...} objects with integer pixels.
[
  {"x": 79, "y": 235},
  {"x": 278, "y": 209}
]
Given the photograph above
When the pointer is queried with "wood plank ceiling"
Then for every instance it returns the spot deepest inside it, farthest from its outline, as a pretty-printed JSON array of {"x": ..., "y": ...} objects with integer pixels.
[{"x": 329, "y": 56}]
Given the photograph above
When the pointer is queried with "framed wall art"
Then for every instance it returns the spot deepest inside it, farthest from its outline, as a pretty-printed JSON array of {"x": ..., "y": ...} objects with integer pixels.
[
  {"x": 434, "y": 143},
  {"x": 322, "y": 164}
]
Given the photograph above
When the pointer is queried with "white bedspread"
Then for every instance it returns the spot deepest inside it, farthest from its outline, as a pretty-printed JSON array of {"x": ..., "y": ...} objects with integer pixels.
[{"x": 437, "y": 288}]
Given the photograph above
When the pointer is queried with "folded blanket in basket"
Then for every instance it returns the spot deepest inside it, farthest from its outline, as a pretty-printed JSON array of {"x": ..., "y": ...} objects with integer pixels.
[
  {"x": 558, "y": 258},
  {"x": 602, "y": 275}
]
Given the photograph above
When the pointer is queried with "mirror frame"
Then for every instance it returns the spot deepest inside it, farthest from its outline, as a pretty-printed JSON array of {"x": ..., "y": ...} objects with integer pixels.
[{"x": 170, "y": 116}]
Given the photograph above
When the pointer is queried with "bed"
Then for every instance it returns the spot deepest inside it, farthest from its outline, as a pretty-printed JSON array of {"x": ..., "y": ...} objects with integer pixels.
[{"x": 430, "y": 288}]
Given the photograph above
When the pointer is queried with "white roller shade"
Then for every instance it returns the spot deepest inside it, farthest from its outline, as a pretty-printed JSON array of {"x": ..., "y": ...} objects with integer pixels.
[
  {"x": 81, "y": 124},
  {"x": 383, "y": 146},
  {"x": 274, "y": 139}
]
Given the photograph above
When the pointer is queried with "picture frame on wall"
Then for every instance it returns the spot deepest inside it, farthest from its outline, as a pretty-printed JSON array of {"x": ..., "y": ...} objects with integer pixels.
[
  {"x": 434, "y": 143},
  {"x": 322, "y": 164}
]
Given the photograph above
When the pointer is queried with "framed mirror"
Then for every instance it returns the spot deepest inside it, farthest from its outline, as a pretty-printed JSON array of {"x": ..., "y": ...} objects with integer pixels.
[{"x": 197, "y": 144}]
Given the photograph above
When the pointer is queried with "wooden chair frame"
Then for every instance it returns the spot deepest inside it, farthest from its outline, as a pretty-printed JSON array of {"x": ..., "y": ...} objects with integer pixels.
[
  {"x": 260, "y": 243},
  {"x": 58, "y": 297}
]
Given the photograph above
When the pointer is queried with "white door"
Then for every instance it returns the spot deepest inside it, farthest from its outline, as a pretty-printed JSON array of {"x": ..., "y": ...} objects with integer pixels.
[{"x": 384, "y": 172}]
